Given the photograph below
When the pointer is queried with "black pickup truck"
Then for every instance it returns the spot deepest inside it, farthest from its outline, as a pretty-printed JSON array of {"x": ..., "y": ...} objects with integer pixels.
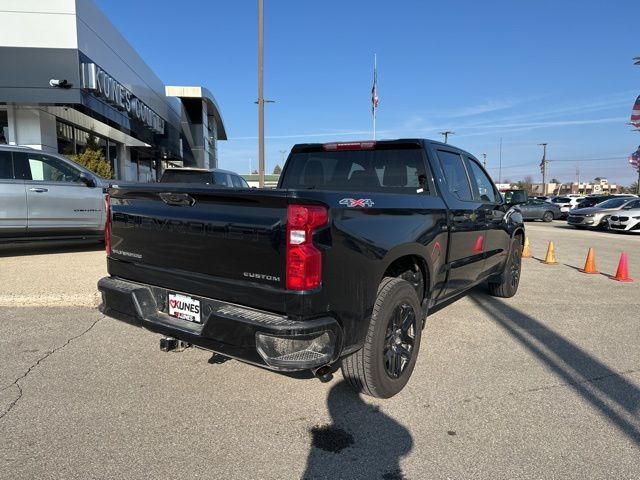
[{"x": 338, "y": 266}]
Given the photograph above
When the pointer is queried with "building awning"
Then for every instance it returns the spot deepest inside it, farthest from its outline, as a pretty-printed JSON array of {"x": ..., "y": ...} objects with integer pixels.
[
  {"x": 86, "y": 122},
  {"x": 206, "y": 96}
]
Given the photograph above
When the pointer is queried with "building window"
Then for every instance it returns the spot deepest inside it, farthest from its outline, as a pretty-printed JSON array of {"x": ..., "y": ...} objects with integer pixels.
[
  {"x": 4, "y": 127},
  {"x": 66, "y": 142},
  {"x": 73, "y": 140}
]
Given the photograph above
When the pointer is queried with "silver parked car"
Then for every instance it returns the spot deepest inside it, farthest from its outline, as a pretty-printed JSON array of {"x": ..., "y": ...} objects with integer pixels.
[
  {"x": 47, "y": 196},
  {"x": 597, "y": 217},
  {"x": 626, "y": 220},
  {"x": 536, "y": 209}
]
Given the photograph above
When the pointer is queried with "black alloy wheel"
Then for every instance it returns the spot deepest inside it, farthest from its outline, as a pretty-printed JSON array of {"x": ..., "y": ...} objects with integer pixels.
[{"x": 399, "y": 340}]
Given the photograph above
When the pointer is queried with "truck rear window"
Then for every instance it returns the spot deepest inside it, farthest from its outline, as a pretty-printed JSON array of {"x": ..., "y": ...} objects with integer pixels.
[
  {"x": 185, "y": 176},
  {"x": 401, "y": 170}
]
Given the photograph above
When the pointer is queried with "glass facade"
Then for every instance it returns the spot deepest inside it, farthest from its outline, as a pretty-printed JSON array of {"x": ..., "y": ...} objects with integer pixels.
[{"x": 73, "y": 140}]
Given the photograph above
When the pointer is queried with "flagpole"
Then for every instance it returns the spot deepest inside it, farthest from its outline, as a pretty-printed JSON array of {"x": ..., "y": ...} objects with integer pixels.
[{"x": 375, "y": 81}]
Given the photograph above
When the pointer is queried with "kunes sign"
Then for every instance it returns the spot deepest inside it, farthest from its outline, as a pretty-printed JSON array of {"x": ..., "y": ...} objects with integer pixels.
[{"x": 104, "y": 85}]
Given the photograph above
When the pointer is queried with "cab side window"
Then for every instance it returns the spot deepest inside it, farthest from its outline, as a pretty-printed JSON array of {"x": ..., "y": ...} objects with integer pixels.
[
  {"x": 44, "y": 168},
  {"x": 482, "y": 184},
  {"x": 455, "y": 175},
  {"x": 6, "y": 166}
]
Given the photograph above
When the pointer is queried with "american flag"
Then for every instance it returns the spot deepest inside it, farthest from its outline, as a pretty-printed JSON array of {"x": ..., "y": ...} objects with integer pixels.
[
  {"x": 634, "y": 159},
  {"x": 374, "y": 91},
  {"x": 635, "y": 113}
]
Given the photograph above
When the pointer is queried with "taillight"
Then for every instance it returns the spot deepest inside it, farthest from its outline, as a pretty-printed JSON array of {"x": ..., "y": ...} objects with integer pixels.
[
  {"x": 107, "y": 225},
  {"x": 332, "y": 147},
  {"x": 304, "y": 260}
]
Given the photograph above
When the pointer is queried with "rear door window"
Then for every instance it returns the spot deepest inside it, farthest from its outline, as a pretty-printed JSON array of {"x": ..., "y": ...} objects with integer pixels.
[
  {"x": 6, "y": 166},
  {"x": 455, "y": 174},
  {"x": 237, "y": 181},
  {"x": 221, "y": 179},
  {"x": 384, "y": 170},
  {"x": 43, "y": 168}
]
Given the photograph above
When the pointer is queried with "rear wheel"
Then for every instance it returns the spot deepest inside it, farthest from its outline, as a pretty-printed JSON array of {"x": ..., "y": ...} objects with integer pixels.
[
  {"x": 547, "y": 217},
  {"x": 382, "y": 367},
  {"x": 507, "y": 285}
]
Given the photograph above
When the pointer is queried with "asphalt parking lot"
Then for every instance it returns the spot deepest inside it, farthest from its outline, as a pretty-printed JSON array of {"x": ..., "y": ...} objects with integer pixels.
[{"x": 544, "y": 385}]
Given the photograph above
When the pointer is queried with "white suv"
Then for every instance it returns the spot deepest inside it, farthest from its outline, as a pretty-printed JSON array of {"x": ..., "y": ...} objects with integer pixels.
[{"x": 566, "y": 203}]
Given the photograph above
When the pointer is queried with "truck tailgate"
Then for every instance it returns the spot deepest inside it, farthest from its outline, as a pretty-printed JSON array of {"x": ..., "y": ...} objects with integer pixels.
[{"x": 215, "y": 235}]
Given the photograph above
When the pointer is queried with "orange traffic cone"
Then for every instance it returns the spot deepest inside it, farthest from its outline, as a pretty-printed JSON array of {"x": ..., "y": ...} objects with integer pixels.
[
  {"x": 479, "y": 246},
  {"x": 590, "y": 264},
  {"x": 526, "y": 251},
  {"x": 550, "y": 259},
  {"x": 622, "y": 275}
]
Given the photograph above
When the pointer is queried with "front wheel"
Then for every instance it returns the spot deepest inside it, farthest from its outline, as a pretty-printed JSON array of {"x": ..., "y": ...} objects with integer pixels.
[
  {"x": 507, "y": 285},
  {"x": 382, "y": 367}
]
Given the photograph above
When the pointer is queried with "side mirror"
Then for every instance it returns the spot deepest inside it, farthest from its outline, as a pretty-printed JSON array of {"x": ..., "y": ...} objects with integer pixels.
[
  {"x": 515, "y": 197},
  {"x": 88, "y": 181}
]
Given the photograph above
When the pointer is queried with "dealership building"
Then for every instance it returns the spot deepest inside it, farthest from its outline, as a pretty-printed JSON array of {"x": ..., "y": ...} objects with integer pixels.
[{"x": 67, "y": 75}]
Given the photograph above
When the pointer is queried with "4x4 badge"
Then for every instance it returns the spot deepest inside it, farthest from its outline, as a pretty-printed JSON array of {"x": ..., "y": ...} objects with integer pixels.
[{"x": 357, "y": 202}]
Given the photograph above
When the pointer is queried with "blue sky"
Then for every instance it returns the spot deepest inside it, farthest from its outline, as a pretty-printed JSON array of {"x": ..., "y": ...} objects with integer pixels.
[{"x": 559, "y": 72}]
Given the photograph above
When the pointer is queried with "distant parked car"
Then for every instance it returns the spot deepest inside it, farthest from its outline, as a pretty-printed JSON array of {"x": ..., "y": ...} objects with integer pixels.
[
  {"x": 593, "y": 200},
  {"x": 597, "y": 217},
  {"x": 46, "y": 196},
  {"x": 627, "y": 219},
  {"x": 206, "y": 176},
  {"x": 536, "y": 209}
]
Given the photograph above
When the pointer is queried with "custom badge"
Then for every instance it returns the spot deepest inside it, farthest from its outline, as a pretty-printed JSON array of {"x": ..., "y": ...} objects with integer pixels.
[{"x": 357, "y": 202}]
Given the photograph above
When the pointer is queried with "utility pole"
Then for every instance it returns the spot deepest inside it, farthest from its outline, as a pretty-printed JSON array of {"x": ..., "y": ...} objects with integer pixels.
[
  {"x": 543, "y": 168},
  {"x": 260, "y": 93},
  {"x": 578, "y": 176},
  {"x": 484, "y": 162},
  {"x": 500, "y": 164},
  {"x": 446, "y": 134}
]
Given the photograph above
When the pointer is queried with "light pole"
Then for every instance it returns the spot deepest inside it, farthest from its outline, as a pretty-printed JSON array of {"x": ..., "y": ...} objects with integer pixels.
[
  {"x": 282, "y": 152},
  {"x": 543, "y": 167},
  {"x": 484, "y": 161},
  {"x": 446, "y": 134}
]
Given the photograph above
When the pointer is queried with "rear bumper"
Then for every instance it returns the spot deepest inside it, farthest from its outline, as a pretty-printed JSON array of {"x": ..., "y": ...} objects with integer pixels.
[{"x": 232, "y": 330}]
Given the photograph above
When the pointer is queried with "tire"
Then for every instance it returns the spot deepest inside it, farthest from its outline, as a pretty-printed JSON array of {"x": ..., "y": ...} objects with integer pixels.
[
  {"x": 604, "y": 223},
  {"x": 507, "y": 286},
  {"x": 547, "y": 217},
  {"x": 381, "y": 368}
]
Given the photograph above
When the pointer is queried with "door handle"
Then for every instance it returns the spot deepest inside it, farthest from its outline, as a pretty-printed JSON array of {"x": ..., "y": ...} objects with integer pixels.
[{"x": 39, "y": 190}]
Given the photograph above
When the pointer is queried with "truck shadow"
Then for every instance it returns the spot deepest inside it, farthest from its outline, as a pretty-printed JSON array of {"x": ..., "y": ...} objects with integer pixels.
[
  {"x": 360, "y": 442},
  {"x": 608, "y": 391},
  {"x": 49, "y": 247}
]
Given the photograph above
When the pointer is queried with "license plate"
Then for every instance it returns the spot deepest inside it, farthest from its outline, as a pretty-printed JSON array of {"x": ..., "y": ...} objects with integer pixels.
[{"x": 184, "y": 307}]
